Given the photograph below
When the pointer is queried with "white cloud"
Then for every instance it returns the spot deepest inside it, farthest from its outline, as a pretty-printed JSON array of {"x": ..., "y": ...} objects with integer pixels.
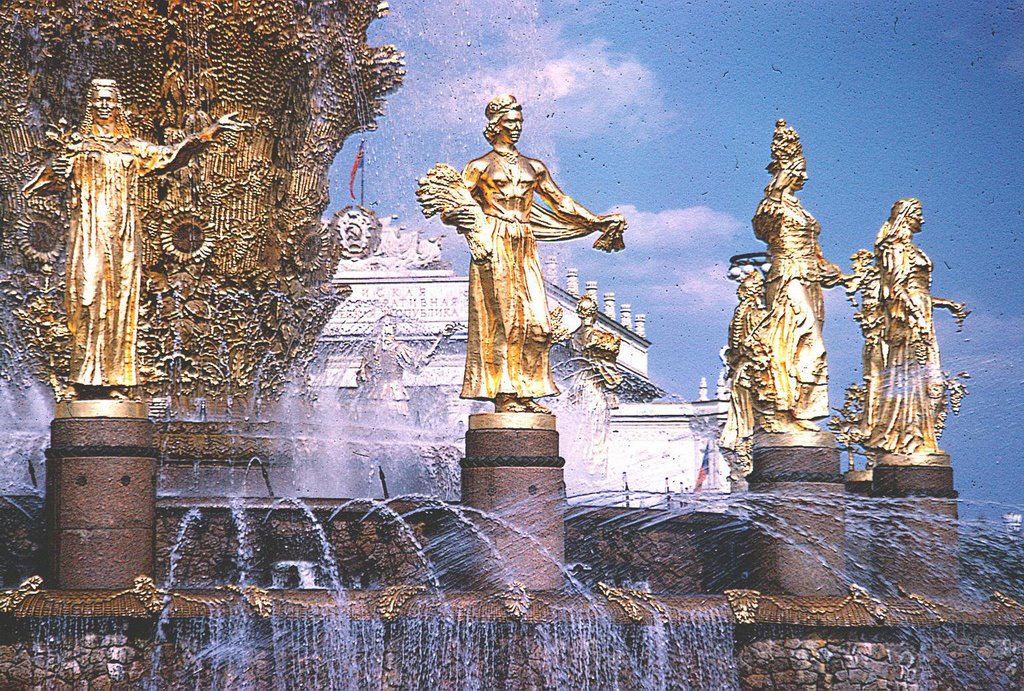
[
  {"x": 675, "y": 262},
  {"x": 694, "y": 227},
  {"x": 584, "y": 91}
]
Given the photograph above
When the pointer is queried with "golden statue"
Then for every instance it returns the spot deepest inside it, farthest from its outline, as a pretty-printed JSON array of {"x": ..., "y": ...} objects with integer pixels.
[
  {"x": 792, "y": 332},
  {"x": 99, "y": 166},
  {"x": 910, "y": 391},
  {"x": 747, "y": 360},
  {"x": 509, "y": 327},
  {"x": 598, "y": 349}
]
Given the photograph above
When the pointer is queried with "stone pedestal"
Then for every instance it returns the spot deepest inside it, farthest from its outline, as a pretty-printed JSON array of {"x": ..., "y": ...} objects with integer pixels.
[
  {"x": 915, "y": 536},
  {"x": 799, "y": 495},
  {"x": 100, "y": 495},
  {"x": 512, "y": 471}
]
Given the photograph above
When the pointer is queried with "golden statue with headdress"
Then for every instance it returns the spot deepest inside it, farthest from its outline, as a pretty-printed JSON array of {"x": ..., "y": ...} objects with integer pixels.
[
  {"x": 792, "y": 331},
  {"x": 99, "y": 166},
  {"x": 492, "y": 204}
]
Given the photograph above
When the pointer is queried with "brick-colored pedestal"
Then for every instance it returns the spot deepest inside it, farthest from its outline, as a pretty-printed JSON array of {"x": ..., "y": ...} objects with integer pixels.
[
  {"x": 799, "y": 492},
  {"x": 512, "y": 471},
  {"x": 100, "y": 501},
  {"x": 915, "y": 538}
]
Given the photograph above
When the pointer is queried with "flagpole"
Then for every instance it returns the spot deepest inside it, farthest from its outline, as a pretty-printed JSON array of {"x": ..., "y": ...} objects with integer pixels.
[{"x": 362, "y": 175}]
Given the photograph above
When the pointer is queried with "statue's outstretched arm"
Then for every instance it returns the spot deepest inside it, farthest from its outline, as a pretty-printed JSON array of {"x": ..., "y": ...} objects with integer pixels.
[
  {"x": 957, "y": 309},
  {"x": 562, "y": 203},
  {"x": 159, "y": 160},
  {"x": 570, "y": 220}
]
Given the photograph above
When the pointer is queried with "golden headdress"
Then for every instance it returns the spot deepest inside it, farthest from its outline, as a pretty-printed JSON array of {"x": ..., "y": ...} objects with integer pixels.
[{"x": 786, "y": 147}]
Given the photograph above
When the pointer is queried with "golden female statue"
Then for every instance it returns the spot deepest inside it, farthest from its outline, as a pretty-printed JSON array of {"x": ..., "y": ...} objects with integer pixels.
[
  {"x": 509, "y": 328},
  {"x": 911, "y": 388},
  {"x": 792, "y": 331},
  {"x": 100, "y": 166},
  {"x": 750, "y": 381}
]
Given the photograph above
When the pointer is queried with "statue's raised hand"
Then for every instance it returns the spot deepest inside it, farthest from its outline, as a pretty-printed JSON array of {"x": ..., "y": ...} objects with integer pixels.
[{"x": 611, "y": 227}]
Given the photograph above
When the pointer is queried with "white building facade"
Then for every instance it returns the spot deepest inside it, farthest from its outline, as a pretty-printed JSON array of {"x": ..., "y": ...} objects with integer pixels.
[{"x": 632, "y": 442}]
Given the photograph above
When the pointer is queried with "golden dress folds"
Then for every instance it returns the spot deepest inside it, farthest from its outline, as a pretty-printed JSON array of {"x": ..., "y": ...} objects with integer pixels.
[
  {"x": 104, "y": 259},
  {"x": 796, "y": 309},
  {"x": 509, "y": 328},
  {"x": 913, "y": 386}
]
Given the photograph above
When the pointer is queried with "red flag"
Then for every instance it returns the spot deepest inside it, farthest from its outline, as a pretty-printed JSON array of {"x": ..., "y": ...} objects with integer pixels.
[
  {"x": 355, "y": 167},
  {"x": 702, "y": 474}
]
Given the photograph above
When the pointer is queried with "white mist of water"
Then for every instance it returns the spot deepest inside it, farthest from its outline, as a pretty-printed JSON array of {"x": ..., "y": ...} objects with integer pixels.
[{"x": 25, "y": 415}]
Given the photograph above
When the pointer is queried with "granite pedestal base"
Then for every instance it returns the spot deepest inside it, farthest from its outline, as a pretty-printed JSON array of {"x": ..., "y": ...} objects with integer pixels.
[
  {"x": 512, "y": 471},
  {"x": 798, "y": 486},
  {"x": 915, "y": 541},
  {"x": 100, "y": 495}
]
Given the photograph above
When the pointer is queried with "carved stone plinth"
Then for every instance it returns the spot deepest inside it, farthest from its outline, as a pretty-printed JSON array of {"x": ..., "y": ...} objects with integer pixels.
[
  {"x": 798, "y": 489},
  {"x": 100, "y": 495},
  {"x": 915, "y": 539},
  {"x": 512, "y": 472}
]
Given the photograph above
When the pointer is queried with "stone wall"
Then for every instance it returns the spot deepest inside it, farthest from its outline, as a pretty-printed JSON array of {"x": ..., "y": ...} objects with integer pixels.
[
  {"x": 910, "y": 659},
  {"x": 22, "y": 550},
  {"x": 115, "y": 654},
  {"x": 80, "y": 654}
]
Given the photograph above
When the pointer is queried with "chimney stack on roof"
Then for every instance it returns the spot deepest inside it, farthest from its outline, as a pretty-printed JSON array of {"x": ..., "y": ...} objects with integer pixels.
[
  {"x": 572, "y": 282},
  {"x": 609, "y": 305},
  {"x": 551, "y": 269},
  {"x": 626, "y": 315}
]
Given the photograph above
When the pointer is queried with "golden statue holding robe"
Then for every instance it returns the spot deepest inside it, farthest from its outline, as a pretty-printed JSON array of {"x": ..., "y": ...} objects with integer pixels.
[
  {"x": 99, "y": 167},
  {"x": 792, "y": 331},
  {"x": 909, "y": 392},
  {"x": 492, "y": 203}
]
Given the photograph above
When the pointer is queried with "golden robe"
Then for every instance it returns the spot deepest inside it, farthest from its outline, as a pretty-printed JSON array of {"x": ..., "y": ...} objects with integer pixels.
[
  {"x": 796, "y": 311},
  {"x": 104, "y": 251},
  {"x": 509, "y": 327},
  {"x": 912, "y": 392}
]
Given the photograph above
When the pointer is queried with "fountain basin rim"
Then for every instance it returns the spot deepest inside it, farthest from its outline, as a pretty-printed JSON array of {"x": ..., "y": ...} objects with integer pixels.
[{"x": 546, "y": 607}]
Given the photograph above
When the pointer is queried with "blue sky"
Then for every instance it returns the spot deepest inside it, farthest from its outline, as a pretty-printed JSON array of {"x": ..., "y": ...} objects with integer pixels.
[{"x": 665, "y": 109}]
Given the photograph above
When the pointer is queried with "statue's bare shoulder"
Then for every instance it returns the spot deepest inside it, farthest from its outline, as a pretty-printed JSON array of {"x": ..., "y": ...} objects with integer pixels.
[
  {"x": 474, "y": 170},
  {"x": 539, "y": 169}
]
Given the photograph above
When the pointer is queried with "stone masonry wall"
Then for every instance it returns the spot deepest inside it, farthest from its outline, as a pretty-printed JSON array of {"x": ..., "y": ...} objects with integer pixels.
[
  {"x": 961, "y": 657},
  {"x": 117, "y": 655}
]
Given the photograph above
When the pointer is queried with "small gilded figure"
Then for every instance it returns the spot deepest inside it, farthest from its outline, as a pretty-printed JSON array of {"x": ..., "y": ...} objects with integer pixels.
[
  {"x": 99, "y": 166},
  {"x": 864, "y": 292},
  {"x": 792, "y": 331},
  {"x": 910, "y": 391},
  {"x": 492, "y": 203},
  {"x": 750, "y": 382}
]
